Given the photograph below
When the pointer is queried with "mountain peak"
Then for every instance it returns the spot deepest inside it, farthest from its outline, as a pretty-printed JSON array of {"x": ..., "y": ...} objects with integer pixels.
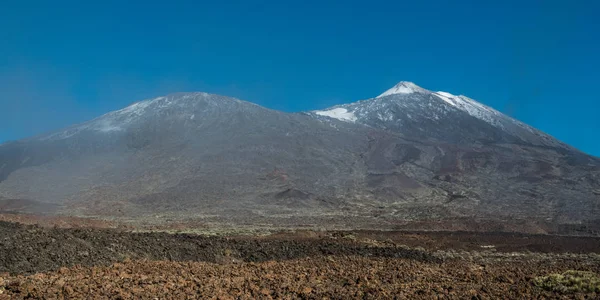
[
  {"x": 403, "y": 87},
  {"x": 175, "y": 106}
]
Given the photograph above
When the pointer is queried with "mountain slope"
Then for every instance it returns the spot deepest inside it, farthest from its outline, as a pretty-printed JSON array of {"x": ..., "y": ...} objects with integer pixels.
[
  {"x": 489, "y": 161},
  {"x": 407, "y": 156},
  {"x": 176, "y": 153}
]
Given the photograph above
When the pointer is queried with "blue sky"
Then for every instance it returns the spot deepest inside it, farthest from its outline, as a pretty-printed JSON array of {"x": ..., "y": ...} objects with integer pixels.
[{"x": 65, "y": 62}]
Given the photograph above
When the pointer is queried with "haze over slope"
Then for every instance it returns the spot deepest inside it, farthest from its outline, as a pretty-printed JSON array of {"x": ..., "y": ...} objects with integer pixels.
[{"x": 407, "y": 155}]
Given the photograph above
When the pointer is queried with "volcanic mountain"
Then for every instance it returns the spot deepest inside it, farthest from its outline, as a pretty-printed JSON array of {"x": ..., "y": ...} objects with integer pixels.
[{"x": 408, "y": 156}]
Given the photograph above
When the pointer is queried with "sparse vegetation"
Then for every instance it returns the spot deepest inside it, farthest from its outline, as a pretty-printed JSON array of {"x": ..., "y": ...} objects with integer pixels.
[{"x": 570, "y": 282}]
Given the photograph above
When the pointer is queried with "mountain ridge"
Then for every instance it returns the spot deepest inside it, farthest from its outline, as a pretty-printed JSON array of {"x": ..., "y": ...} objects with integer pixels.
[
  {"x": 402, "y": 157},
  {"x": 402, "y": 84}
]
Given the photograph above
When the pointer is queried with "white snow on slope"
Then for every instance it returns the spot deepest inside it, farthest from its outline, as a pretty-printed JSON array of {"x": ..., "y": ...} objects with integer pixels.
[
  {"x": 472, "y": 107},
  {"x": 337, "y": 113},
  {"x": 449, "y": 98},
  {"x": 120, "y": 120},
  {"x": 403, "y": 87}
]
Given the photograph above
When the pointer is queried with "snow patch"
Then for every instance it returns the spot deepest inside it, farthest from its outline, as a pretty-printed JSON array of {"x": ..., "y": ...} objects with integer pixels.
[
  {"x": 473, "y": 108},
  {"x": 449, "y": 98},
  {"x": 403, "y": 87},
  {"x": 107, "y": 126},
  {"x": 136, "y": 108},
  {"x": 337, "y": 113}
]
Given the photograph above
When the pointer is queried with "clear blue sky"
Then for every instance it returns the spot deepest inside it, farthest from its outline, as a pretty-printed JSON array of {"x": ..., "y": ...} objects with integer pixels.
[{"x": 65, "y": 62}]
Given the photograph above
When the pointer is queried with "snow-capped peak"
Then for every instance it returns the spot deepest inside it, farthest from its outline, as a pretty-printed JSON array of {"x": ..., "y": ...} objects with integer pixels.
[
  {"x": 404, "y": 87},
  {"x": 406, "y": 102},
  {"x": 460, "y": 102}
]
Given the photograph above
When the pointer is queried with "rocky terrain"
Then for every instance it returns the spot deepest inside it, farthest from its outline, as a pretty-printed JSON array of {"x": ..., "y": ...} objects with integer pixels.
[
  {"x": 345, "y": 277},
  {"x": 93, "y": 263}
]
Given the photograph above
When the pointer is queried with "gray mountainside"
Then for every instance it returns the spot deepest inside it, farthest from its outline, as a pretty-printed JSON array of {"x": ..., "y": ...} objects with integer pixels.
[{"x": 408, "y": 155}]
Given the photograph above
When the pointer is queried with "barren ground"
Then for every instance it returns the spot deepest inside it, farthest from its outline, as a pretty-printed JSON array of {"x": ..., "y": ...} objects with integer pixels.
[{"x": 39, "y": 262}]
